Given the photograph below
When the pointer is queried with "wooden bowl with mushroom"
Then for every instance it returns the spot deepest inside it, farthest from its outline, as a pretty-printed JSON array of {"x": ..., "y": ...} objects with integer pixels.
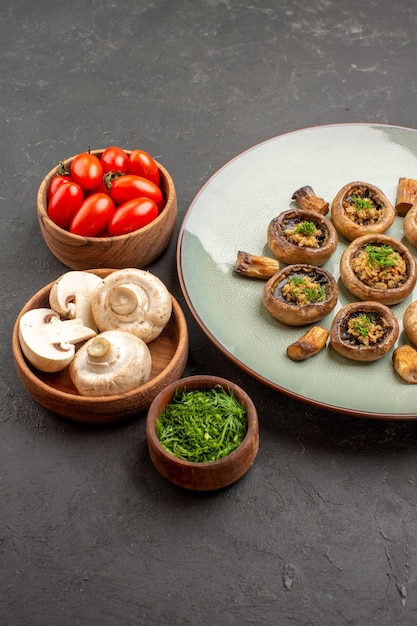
[
  {"x": 212, "y": 399},
  {"x": 56, "y": 390},
  {"x": 134, "y": 249}
]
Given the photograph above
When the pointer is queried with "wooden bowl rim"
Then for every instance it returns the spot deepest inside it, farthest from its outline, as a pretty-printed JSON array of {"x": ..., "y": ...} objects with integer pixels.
[
  {"x": 203, "y": 381},
  {"x": 30, "y": 374},
  {"x": 104, "y": 241}
]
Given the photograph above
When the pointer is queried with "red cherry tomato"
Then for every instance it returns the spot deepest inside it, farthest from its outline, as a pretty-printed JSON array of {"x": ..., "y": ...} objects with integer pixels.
[
  {"x": 115, "y": 159},
  {"x": 65, "y": 202},
  {"x": 56, "y": 182},
  {"x": 132, "y": 215},
  {"x": 129, "y": 186},
  {"x": 92, "y": 216},
  {"x": 86, "y": 170},
  {"x": 142, "y": 164}
]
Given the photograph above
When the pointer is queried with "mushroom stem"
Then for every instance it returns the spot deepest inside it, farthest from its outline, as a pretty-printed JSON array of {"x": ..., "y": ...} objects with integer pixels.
[
  {"x": 254, "y": 266},
  {"x": 127, "y": 301}
]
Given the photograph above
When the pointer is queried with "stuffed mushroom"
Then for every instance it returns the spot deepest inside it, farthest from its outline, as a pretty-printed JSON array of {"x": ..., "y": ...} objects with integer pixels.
[
  {"x": 364, "y": 331},
  {"x": 379, "y": 268},
  {"x": 301, "y": 236},
  {"x": 300, "y": 294},
  {"x": 359, "y": 209}
]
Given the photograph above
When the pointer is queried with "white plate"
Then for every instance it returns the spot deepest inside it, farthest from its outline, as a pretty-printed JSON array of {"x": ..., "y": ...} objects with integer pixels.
[{"x": 232, "y": 212}]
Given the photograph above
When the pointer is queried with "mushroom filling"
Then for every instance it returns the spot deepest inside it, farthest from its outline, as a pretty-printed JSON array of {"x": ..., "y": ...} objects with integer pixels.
[
  {"x": 363, "y": 329},
  {"x": 363, "y": 207},
  {"x": 303, "y": 233},
  {"x": 301, "y": 289},
  {"x": 380, "y": 267}
]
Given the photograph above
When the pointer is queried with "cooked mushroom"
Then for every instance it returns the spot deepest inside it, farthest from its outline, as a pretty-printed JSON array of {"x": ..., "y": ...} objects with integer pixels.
[
  {"x": 300, "y": 294},
  {"x": 378, "y": 267},
  {"x": 360, "y": 208},
  {"x": 406, "y": 195},
  {"x": 310, "y": 344},
  {"x": 364, "y": 331},
  {"x": 410, "y": 226},
  {"x": 134, "y": 300},
  {"x": 112, "y": 362},
  {"x": 262, "y": 267},
  {"x": 301, "y": 236},
  {"x": 307, "y": 199},
  {"x": 410, "y": 322},
  {"x": 70, "y": 296},
  {"x": 404, "y": 359},
  {"x": 48, "y": 342}
]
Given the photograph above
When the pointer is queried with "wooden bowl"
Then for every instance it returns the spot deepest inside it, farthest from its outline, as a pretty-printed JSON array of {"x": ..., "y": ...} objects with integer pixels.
[
  {"x": 56, "y": 392},
  {"x": 136, "y": 249},
  {"x": 205, "y": 476}
]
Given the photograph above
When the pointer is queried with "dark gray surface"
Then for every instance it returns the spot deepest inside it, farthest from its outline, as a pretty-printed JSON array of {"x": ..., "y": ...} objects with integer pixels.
[{"x": 322, "y": 530}]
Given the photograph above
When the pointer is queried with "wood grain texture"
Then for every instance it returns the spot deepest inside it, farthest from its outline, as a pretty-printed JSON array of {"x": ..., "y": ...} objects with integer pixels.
[
  {"x": 56, "y": 392},
  {"x": 214, "y": 474},
  {"x": 137, "y": 249}
]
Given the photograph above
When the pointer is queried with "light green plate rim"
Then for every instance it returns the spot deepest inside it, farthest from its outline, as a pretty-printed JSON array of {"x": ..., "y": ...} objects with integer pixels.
[{"x": 232, "y": 211}]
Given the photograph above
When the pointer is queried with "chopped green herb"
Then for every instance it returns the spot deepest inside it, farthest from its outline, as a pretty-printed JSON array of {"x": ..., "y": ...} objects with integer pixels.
[
  {"x": 362, "y": 203},
  {"x": 309, "y": 290},
  {"x": 305, "y": 228},
  {"x": 384, "y": 256},
  {"x": 200, "y": 426},
  {"x": 362, "y": 324}
]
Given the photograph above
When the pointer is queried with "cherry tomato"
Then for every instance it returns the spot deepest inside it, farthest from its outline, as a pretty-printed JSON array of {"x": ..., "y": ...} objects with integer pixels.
[
  {"x": 142, "y": 164},
  {"x": 56, "y": 182},
  {"x": 86, "y": 170},
  {"x": 115, "y": 159},
  {"x": 129, "y": 186},
  {"x": 63, "y": 205},
  {"x": 93, "y": 215},
  {"x": 132, "y": 215}
]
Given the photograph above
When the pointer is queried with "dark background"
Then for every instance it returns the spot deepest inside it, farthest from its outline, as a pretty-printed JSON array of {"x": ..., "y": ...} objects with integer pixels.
[{"x": 322, "y": 530}]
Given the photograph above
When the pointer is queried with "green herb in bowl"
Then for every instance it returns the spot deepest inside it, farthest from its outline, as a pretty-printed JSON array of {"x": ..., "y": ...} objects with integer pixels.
[{"x": 202, "y": 425}]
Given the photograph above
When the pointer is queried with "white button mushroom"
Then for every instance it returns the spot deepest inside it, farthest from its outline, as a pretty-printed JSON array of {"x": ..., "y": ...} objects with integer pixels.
[
  {"x": 47, "y": 341},
  {"x": 133, "y": 300},
  {"x": 70, "y": 296},
  {"x": 113, "y": 362}
]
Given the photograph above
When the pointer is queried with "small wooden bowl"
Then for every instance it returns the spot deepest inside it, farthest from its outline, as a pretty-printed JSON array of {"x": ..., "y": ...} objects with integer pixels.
[
  {"x": 56, "y": 392},
  {"x": 210, "y": 475},
  {"x": 136, "y": 249}
]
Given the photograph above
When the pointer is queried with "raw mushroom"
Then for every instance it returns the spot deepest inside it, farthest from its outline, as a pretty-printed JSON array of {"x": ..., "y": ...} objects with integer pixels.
[
  {"x": 134, "y": 300},
  {"x": 70, "y": 296},
  {"x": 113, "y": 362},
  {"x": 47, "y": 341}
]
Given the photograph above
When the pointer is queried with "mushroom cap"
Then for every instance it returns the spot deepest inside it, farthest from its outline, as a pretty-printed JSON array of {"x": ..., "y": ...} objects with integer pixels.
[
  {"x": 47, "y": 342},
  {"x": 70, "y": 296},
  {"x": 294, "y": 314},
  {"x": 287, "y": 251},
  {"x": 133, "y": 300},
  {"x": 350, "y": 229},
  {"x": 347, "y": 347},
  {"x": 362, "y": 291},
  {"x": 111, "y": 363}
]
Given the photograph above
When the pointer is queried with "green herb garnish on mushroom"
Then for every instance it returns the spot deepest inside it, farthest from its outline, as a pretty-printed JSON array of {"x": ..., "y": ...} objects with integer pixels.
[
  {"x": 306, "y": 228},
  {"x": 303, "y": 290},
  {"x": 201, "y": 426},
  {"x": 383, "y": 256},
  {"x": 361, "y": 203}
]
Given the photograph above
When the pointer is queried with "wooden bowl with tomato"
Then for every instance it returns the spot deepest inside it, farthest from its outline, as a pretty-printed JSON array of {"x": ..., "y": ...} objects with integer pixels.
[
  {"x": 92, "y": 215},
  {"x": 202, "y": 432},
  {"x": 56, "y": 392}
]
